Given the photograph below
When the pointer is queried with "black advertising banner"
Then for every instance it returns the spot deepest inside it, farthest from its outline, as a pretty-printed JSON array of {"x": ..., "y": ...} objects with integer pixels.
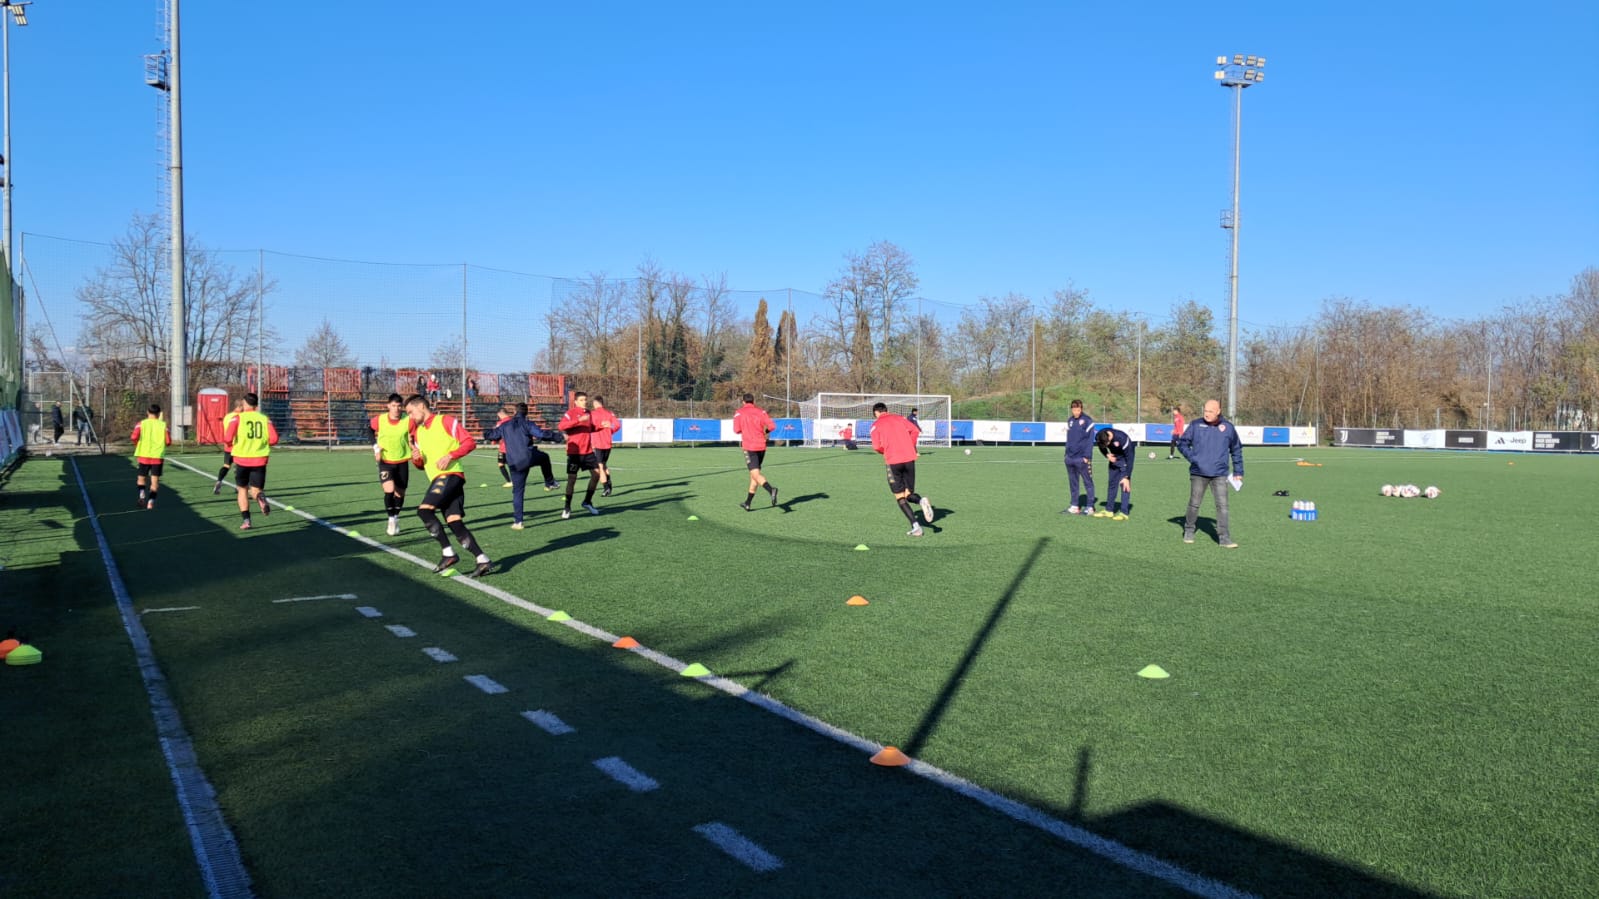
[
  {"x": 1466, "y": 439},
  {"x": 1556, "y": 442},
  {"x": 1590, "y": 441},
  {"x": 1368, "y": 437}
]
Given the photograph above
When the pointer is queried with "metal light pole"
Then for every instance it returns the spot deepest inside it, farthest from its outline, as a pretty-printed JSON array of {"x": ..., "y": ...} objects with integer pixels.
[
  {"x": 1236, "y": 73},
  {"x": 178, "y": 348},
  {"x": 19, "y": 14}
]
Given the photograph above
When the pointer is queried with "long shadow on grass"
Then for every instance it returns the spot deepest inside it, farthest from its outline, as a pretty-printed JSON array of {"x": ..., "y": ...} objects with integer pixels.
[{"x": 1201, "y": 525}]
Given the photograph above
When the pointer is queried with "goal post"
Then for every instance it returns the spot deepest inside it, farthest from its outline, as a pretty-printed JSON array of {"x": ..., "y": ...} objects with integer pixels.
[{"x": 826, "y": 415}]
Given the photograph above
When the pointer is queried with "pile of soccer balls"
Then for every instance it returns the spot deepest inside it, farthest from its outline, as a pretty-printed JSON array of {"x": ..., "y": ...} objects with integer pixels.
[{"x": 1409, "y": 491}]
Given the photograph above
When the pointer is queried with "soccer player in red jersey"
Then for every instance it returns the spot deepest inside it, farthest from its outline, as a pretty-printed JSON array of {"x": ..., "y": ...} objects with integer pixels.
[
  {"x": 391, "y": 447},
  {"x": 752, "y": 424},
  {"x": 606, "y": 425},
  {"x": 895, "y": 438},
  {"x": 227, "y": 448},
  {"x": 578, "y": 423},
  {"x": 150, "y": 441},
  {"x": 1176, "y": 432},
  {"x": 252, "y": 436},
  {"x": 439, "y": 443}
]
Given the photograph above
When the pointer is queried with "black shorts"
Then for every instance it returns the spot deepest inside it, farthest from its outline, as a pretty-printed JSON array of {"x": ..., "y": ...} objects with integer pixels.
[
  {"x": 575, "y": 464},
  {"x": 447, "y": 494},
  {"x": 149, "y": 469},
  {"x": 902, "y": 478},
  {"x": 398, "y": 472},
  {"x": 754, "y": 458},
  {"x": 500, "y": 459},
  {"x": 227, "y": 458},
  {"x": 604, "y": 455},
  {"x": 250, "y": 476}
]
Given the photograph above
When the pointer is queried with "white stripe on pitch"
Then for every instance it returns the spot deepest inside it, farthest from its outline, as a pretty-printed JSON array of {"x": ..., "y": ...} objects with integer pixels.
[
  {"x": 486, "y": 684},
  {"x": 549, "y": 722},
  {"x": 171, "y": 609},
  {"x": 315, "y": 598},
  {"x": 438, "y": 655},
  {"x": 1127, "y": 857},
  {"x": 739, "y": 846},
  {"x": 626, "y": 775},
  {"x": 369, "y": 612},
  {"x": 399, "y": 630}
]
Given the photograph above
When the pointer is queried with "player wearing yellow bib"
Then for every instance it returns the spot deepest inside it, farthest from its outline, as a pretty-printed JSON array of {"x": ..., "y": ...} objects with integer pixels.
[
  {"x": 439, "y": 443},
  {"x": 252, "y": 437},
  {"x": 391, "y": 446},
  {"x": 227, "y": 448},
  {"x": 150, "y": 442}
]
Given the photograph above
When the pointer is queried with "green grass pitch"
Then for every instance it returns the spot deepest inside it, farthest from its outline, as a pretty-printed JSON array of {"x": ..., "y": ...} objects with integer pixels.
[{"x": 1396, "y": 699}]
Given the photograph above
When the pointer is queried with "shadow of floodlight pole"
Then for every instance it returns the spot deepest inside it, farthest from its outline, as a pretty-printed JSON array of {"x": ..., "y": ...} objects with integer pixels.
[{"x": 935, "y": 712}]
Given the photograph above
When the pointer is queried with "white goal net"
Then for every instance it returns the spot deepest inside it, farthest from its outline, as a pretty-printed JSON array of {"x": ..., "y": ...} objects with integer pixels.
[{"x": 832, "y": 418}]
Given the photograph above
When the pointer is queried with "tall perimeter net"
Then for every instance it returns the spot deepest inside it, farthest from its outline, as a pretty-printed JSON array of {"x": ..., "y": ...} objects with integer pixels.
[{"x": 831, "y": 418}]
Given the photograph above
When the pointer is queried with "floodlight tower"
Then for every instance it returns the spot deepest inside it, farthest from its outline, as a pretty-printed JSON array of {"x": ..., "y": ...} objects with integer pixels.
[
  {"x": 161, "y": 72},
  {"x": 19, "y": 14},
  {"x": 1237, "y": 73}
]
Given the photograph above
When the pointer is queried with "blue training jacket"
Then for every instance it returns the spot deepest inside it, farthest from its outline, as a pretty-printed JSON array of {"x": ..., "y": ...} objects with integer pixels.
[
  {"x": 1079, "y": 437},
  {"x": 1123, "y": 446},
  {"x": 1207, "y": 446},
  {"x": 519, "y": 435}
]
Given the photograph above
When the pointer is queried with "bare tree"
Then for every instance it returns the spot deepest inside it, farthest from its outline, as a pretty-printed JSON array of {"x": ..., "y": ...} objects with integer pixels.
[
  {"x": 324, "y": 348},
  {"x": 990, "y": 341},
  {"x": 449, "y": 356}
]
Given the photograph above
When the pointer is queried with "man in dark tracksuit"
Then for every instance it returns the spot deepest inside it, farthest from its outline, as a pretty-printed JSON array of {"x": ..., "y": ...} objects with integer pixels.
[
  {"x": 1208, "y": 444},
  {"x": 1119, "y": 449},
  {"x": 1079, "y": 458},
  {"x": 518, "y": 435}
]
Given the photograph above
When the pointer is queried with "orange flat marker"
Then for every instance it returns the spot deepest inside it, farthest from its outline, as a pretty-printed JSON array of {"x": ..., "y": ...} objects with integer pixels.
[
  {"x": 626, "y": 643},
  {"x": 7, "y": 645},
  {"x": 856, "y": 600},
  {"x": 890, "y": 757}
]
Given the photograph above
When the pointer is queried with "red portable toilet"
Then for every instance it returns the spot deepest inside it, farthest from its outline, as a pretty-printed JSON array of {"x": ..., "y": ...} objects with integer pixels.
[{"x": 212, "y": 405}]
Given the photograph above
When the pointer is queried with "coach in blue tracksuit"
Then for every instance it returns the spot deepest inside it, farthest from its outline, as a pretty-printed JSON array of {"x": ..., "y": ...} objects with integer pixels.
[
  {"x": 1119, "y": 450},
  {"x": 521, "y": 455},
  {"x": 1079, "y": 458},
  {"x": 1208, "y": 444}
]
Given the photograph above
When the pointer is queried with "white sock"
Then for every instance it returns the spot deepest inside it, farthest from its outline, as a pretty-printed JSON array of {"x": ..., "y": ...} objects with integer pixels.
[{"x": 482, "y": 558}]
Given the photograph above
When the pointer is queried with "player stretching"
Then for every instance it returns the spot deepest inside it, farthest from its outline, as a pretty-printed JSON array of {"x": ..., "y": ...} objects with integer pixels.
[
  {"x": 252, "y": 437},
  {"x": 1119, "y": 449},
  {"x": 752, "y": 424},
  {"x": 606, "y": 425},
  {"x": 150, "y": 441},
  {"x": 439, "y": 444},
  {"x": 579, "y": 427},
  {"x": 391, "y": 447},
  {"x": 227, "y": 448},
  {"x": 895, "y": 437}
]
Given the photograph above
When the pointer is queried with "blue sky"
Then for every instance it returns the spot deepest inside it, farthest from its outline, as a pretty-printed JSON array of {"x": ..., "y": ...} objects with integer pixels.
[{"x": 1442, "y": 155}]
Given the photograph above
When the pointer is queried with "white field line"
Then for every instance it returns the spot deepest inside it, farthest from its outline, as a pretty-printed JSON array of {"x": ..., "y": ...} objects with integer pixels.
[
  {"x": 215, "y": 849},
  {"x": 739, "y": 846},
  {"x": 315, "y": 598},
  {"x": 369, "y": 612},
  {"x": 400, "y": 630},
  {"x": 437, "y": 654},
  {"x": 170, "y": 609},
  {"x": 549, "y": 722},
  {"x": 627, "y": 775},
  {"x": 1108, "y": 849},
  {"x": 487, "y": 684}
]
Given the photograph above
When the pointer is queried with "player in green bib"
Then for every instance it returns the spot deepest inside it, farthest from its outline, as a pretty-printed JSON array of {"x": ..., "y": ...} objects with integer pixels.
[
  {"x": 439, "y": 444},
  {"x": 252, "y": 437},
  {"x": 391, "y": 446},
  {"x": 150, "y": 442}
]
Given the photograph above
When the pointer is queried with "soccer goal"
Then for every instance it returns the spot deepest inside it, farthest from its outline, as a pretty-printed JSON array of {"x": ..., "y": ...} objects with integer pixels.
[{"x": 827, "y": 415}]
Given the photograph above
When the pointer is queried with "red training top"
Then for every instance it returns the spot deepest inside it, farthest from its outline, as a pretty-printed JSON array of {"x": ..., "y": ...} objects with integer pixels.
[
  {"x": 751, "y": 423},
  {"x": 231, "y": 433},
  {"x": 452, "y": 426},
  {"x": 1177, "y": 424},
  {"x": 578, "y": 424},
  {"x": 503, "y": 418},
  {"x": 895, "y": 437},
  {"x": 605, "y": 425}
]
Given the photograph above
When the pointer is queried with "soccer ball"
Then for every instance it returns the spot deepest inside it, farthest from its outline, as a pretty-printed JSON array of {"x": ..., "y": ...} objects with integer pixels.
[
  {"x": 968, "y": 452},
  {"x": 1432, "y": 492},
  {"x": 1387, "y": 490},
  {"x": 1151, "y": 455}
]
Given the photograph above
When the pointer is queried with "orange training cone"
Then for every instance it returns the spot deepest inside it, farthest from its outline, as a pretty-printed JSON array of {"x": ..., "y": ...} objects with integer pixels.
[
  {"x": 626, "y": 643},
  {"x": 890, "y": 757},
  {"x": 856, "y": 600}
]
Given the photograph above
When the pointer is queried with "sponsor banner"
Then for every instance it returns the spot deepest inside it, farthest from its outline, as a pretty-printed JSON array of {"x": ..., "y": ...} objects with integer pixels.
[
  {"x": 990, "y": 431},
  {"x": 1368, "y": 437},
  {"x": 1302, "y": 436},
  {"x": 691, "y": 429},
  {"x": 1134, "y": 432},
  {"x": 863, "y": 429},
  {"x": 1274, "y": 436},
  {"x": 648, "y": 430},
  {"x": 830, "y": 429},
  {"x": 788, "y": 429},
  {"x": 1026, "y": 431},
  {"x": 1251, "y": 435},
  {"x": 1465, "y": 439},
  {"x": 937, "y": 427},
  {"x": 1590, "y": 442},
  {"x": 960, "y": 430},
  {"x": 1510, "y": 440},
  {"x": 1433, "y": 439},
  {"x": 1158, "y": 433},
  {"x": 1055, "y": 431},
  {"x": 1557, "y": 441}
]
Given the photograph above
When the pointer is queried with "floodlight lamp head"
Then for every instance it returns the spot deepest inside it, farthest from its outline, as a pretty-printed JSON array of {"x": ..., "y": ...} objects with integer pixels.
[
  {"x": 1220, "y": 74},
  {"x": 20, "y": 14},
  {"x": 1221, "y": 60},
  {"x": 1238, "y": 59}
]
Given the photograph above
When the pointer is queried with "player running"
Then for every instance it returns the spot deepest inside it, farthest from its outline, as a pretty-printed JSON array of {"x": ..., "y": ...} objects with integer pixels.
[
  {"x": 578, "y": 424},
  {"x": 439, "y": 443},
  {"x": 752, "y": 424},
  {"x": 227, "y": 448},
  {"x": 252, "y": 437},
  {"x": 391, "y": 448},
  {"x": 150, "y": 441},
  {"x": 1119, "y": 449},
  {"x": 606, "y": 424},
  {"x": 516, "y": 436},
  {"x": 895, "y": 438}
]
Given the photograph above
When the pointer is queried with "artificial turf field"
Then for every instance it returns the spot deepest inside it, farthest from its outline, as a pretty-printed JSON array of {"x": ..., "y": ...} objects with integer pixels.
[{"x": 1397, "y": 699}]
